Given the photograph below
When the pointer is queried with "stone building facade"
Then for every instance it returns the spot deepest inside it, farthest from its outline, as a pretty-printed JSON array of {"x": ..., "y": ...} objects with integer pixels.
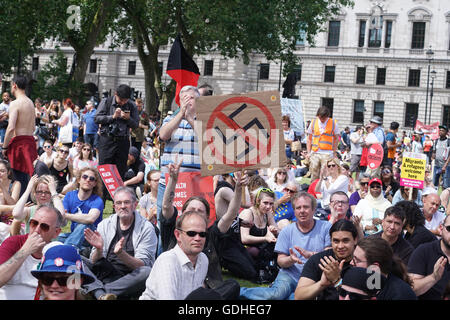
[{"x": 369, "y": 60}]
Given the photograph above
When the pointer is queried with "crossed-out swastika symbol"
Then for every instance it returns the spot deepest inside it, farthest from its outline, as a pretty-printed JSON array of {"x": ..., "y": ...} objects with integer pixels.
[{"x": 240, "y": 131}]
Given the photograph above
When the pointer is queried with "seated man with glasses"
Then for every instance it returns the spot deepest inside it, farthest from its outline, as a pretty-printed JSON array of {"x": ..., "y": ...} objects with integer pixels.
[
  {"x": 123, "y": 253},
  {"x": 183, "y": 269},
  {"x": 339, "y": 207},
  {"x": 22, "y": 253},
  {"x": 83, "y": 207},
  {"x": 361, "y": 193},
  {"x": 284, "y": 213},
  {"x": 371, "y": 209}
]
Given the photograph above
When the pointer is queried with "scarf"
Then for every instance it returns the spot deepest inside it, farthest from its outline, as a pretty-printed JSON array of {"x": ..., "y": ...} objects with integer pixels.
[{"x": 380, "y": 203}]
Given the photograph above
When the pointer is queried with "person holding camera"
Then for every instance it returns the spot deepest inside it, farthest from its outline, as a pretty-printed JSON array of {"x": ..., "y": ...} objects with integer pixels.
[{"x": 116, "y": 115}]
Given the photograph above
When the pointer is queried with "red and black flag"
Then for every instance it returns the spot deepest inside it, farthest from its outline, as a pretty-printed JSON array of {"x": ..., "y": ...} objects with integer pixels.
[{"x": 181, "y": 68}]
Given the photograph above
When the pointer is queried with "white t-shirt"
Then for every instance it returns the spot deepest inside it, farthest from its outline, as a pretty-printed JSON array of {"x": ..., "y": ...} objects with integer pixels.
[
  {"x": 438, "y": 217},
  {"x": 22, "y": 286}
]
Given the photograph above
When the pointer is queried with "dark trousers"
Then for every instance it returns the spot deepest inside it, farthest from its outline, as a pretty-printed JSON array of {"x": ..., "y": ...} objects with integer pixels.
[{"x": 114, "y": 150}]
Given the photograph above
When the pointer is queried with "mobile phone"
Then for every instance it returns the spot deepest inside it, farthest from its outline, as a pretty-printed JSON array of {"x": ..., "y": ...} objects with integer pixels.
[{"x": 127, "y": 111}]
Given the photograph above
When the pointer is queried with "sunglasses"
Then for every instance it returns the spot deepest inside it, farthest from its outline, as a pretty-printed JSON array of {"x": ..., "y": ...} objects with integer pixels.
[
  {"x": 331, "y": 165},
  {"x": 44, "y": 227},
  {"x": 352, "y": 295},
  {"x": 86, "y": 149},
  {"x": 86, "y": 177},
  {"x": 447, "y": 228},
  {"x": 64, "y": 151},
  {"x": 47, "y": 280},
  {"x": 281, "y": 172},
  {"x": 363, "y": 184},
  {"x": 44, "y": 193},
  {"x": 47, "y": 147},
  {"x": 375, "y": 186},
  {"x": 194, "y": 233},
  {"x": 289, "y": 190},
  {"x": 264, "y": 190}
]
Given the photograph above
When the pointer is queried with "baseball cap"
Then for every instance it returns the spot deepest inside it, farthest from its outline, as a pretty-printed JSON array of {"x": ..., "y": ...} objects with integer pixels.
[
  {"x": 443, "y": 127},
  {"x": 428, "y": 190},
  {"x": 62, "y": 259},
  {"x": 134, "y": 152},
  {"x": 375, "y": 180}
]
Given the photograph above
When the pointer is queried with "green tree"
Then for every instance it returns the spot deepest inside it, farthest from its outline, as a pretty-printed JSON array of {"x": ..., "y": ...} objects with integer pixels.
[
  {"x": 53, "y": 81},
  {"x": 234, "y": 28}
]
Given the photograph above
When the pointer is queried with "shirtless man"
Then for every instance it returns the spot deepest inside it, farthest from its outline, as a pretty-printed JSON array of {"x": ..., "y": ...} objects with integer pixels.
[{"x": 19, "y": 145}]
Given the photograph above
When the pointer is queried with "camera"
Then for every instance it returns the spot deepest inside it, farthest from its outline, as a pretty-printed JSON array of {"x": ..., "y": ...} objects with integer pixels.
[{"x": 113, "y": 129}]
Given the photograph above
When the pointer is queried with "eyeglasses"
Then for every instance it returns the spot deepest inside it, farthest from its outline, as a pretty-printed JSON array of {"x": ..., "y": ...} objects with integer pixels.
[
  {"x": 375, "y": 186},
  {"x": 386, "y": 171},
  {"x": 331, "y": 165},
  {"x": 340, "y": 202},
  {"x": 352, "y": 295},
  {"x": 86, "y": 149},
  {"x": 44, "y": 193},
  {"x": 289, "y": 190},
  {"x": 44, "y": 227},
  {"x": 86, "y": 177},
  {"x": 447, "y": 228},
  {"x": 119, "y": 203},
  {"x": 192, "y": 234},
  {"x": 47, "y": 280},
  {"x": 64, "y": 151},
  {"x": 281, "y": 172}
]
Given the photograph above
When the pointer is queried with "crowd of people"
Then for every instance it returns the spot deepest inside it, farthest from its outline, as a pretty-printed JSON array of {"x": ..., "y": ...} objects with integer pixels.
[{"x": 325, "y": 226}]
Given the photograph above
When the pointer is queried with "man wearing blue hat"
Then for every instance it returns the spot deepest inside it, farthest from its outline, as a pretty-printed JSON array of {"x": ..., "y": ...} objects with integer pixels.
[
  {"x": 20, "y": 254},
  {"x": 60, "y": 273}
]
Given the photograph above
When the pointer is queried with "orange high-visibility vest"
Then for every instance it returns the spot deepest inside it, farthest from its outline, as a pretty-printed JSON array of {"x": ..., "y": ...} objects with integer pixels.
[{"x": 325, "y": 140}]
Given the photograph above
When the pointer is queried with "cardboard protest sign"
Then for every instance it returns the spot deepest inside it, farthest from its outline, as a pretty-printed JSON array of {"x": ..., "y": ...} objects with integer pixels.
[
  {"x": 375, "y": 156},
  {"x": 240, "y": 132},
  {"x": 293, "y": 109},
  {"x": 413, "y": 170},
  {"x": 193, "y": 184},
  {"x": 111, "y": 177},
  {"x": 428, "y": 129}
]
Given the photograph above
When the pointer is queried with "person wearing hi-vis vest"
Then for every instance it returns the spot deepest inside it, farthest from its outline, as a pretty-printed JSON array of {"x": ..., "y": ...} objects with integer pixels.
[{"x": 323, "y": 138}]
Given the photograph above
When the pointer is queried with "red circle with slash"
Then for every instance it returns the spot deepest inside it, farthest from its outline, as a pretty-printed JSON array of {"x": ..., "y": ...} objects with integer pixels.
[{"x": 218, "y": 114}]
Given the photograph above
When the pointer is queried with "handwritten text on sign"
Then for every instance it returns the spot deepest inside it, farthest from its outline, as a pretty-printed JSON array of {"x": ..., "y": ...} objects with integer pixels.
[{"x": 413, "y": 170}]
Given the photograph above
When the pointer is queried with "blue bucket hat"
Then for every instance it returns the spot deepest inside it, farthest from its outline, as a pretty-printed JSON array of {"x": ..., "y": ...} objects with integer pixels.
[{"x": 62, "y": 259}]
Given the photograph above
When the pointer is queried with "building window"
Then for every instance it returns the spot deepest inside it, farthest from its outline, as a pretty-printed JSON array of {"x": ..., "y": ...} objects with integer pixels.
[
  {"x": 362, "y": 33},
  {"x": 388, "y": 36},
  {"x": 208, "y": 68},
  {"x": 360, "y": 75},
  {"x": 264, "y": 69},
  {"x": 328, "y": 102},
  {"x": 447, "y": 82},
  {"x": 160, "y": 68},
  {"x": 375, "y": 38},
  {"x": 446, "y": 115},
  {"x": 378, "y": 108},
  {"x": 418, "y": 35},
  {"x": 35, "y": 64},
  {"x": 298, "y": 70},
  {"x": 301, "y": 36},
  {"x": 93, "y": 66},
  {"x": 381, "y": 76},
  {"x": 411, "y": 113},
  {"x": 334, "y": 33},
  {"x": 414, "y": 78},
  {"x": 329, "y": 73},
  {"x": 132, "y": 68},
  {"x": 358, "y": 111}
]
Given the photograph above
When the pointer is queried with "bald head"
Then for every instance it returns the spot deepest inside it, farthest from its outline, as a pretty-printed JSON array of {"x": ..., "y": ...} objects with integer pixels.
[{"x": 431, "y": 203}]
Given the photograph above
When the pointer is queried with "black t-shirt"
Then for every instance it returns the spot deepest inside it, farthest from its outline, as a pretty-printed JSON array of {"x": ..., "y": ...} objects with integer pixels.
[
  {"x": 127, "y": 247},
  {"x": 312, "y": 271},
  {"x": 134, "y": 169},
  {"x": 420, "y": 235},
  {"x": 422, "y": 263},
  {"x": 396, "y": 289},
  {"x": 394, "y": 187},
  {"x": 402, "y": 248}
]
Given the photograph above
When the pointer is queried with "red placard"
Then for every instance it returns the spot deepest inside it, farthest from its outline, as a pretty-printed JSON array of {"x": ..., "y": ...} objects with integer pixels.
[
  {"x": 374, "y": 156},
  {"x": 431, "y": 129},
  {"x": 111, "y": 177},
  {"x": 193, "y": 184}
]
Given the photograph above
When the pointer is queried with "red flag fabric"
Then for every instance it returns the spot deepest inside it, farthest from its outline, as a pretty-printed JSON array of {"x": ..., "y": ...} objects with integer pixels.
[{"x": 181, "y": 68}]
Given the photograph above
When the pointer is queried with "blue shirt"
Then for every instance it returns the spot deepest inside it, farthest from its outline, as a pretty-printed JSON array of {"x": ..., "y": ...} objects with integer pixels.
[
  {"x": 72, "y": 203},
  {"x": 91, "y": 126},
  {"x": 284, "y": 210},
  {"x": 315, "y": 240}
]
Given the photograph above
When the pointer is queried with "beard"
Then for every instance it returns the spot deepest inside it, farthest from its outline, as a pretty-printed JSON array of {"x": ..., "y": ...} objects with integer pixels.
[{"x": 446, "y": 244}]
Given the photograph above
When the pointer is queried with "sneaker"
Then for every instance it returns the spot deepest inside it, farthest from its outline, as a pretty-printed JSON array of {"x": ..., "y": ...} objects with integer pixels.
[{"x": 108, "y": 296}]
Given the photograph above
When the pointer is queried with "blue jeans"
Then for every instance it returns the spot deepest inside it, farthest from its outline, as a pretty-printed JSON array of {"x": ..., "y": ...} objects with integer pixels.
[
  {"x": 283, "y": 288},
  {"x": 437, "y": 172},
  {"x": 76, "y": 238},
  {"x": 159, "y": 200}
]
